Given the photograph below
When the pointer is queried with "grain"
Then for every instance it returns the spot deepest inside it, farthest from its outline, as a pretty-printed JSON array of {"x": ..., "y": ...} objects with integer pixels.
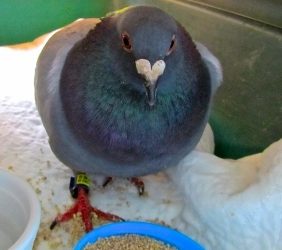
[{"x": 129, "y": 242}]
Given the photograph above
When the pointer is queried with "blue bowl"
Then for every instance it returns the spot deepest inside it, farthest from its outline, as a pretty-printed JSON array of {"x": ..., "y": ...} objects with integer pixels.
[{"x": 155, "y": 231}]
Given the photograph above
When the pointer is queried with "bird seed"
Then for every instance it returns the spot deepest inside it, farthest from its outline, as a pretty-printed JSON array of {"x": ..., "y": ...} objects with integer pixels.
[{"x": 129, "y": 242}]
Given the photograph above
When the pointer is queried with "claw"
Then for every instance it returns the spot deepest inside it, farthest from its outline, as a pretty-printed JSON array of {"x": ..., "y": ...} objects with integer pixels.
[
  {"x": 139, "y": 185},
  {"x": 53, "y": 224},
  {"x": 107, "y": 181}
]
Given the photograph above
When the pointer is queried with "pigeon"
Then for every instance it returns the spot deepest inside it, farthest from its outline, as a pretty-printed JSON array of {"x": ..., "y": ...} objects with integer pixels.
[{"x": 124, "y": 96}]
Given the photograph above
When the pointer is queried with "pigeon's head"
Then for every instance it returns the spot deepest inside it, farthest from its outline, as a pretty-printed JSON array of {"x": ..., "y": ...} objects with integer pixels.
[{"x": 148, "y": 36}]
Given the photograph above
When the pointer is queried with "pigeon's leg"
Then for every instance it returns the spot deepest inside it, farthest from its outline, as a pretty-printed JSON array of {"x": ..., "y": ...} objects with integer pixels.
[
  {"x": 80, "y": 191},
  {"x": 139, "y": 184}
]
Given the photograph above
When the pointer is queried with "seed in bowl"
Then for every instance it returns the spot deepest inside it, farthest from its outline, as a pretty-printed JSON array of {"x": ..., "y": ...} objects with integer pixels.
[{"x": 128, "y": 242}]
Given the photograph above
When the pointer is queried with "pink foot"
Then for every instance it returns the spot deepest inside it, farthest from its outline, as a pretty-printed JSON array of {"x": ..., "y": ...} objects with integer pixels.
[
  {"x": 83, "y": 206},
  {"x": 138, "y": 183}
]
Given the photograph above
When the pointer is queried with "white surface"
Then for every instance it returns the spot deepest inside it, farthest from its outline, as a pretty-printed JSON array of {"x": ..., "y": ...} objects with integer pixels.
[
  {"x": 19, "y": 213},
  {"x": 223, "y": 204}
]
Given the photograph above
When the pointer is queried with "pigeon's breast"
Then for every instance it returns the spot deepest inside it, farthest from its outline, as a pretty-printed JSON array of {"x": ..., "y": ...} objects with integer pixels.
[
  {"x": 131, "y": 133},
  {"x": 115, "y": 126}
]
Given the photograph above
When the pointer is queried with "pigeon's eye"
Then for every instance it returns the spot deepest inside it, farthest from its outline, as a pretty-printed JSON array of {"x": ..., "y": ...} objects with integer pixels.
[
  {"x": 172, "y": 46},
  {"x": 126, "y": 44}
]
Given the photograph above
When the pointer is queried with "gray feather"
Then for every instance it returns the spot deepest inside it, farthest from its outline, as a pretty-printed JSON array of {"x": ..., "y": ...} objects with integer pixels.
[{"x": 182, "y": 125}]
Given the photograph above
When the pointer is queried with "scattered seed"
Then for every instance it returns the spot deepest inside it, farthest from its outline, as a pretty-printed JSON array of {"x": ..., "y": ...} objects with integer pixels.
[
  {"x": 11, "y": 168},
  {"x": 38, "y": 191}
]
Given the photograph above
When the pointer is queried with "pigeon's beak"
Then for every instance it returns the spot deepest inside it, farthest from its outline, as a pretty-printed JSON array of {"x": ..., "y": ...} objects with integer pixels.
[
  {"x": 151, "y": 76},
  {"x": 151, "y": 94}
]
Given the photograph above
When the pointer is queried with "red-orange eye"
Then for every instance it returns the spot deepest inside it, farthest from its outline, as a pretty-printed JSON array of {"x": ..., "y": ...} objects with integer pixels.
[
  {"x": 126, "y": 44},
  {"x": 172, "y": 46}
]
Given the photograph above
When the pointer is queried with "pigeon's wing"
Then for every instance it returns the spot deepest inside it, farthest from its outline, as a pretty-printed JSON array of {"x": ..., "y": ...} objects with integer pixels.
[
  {"x": 213, "y": 66},
  {"x": 52, "y": 58},
  {"x": 47, "y": 95}
]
